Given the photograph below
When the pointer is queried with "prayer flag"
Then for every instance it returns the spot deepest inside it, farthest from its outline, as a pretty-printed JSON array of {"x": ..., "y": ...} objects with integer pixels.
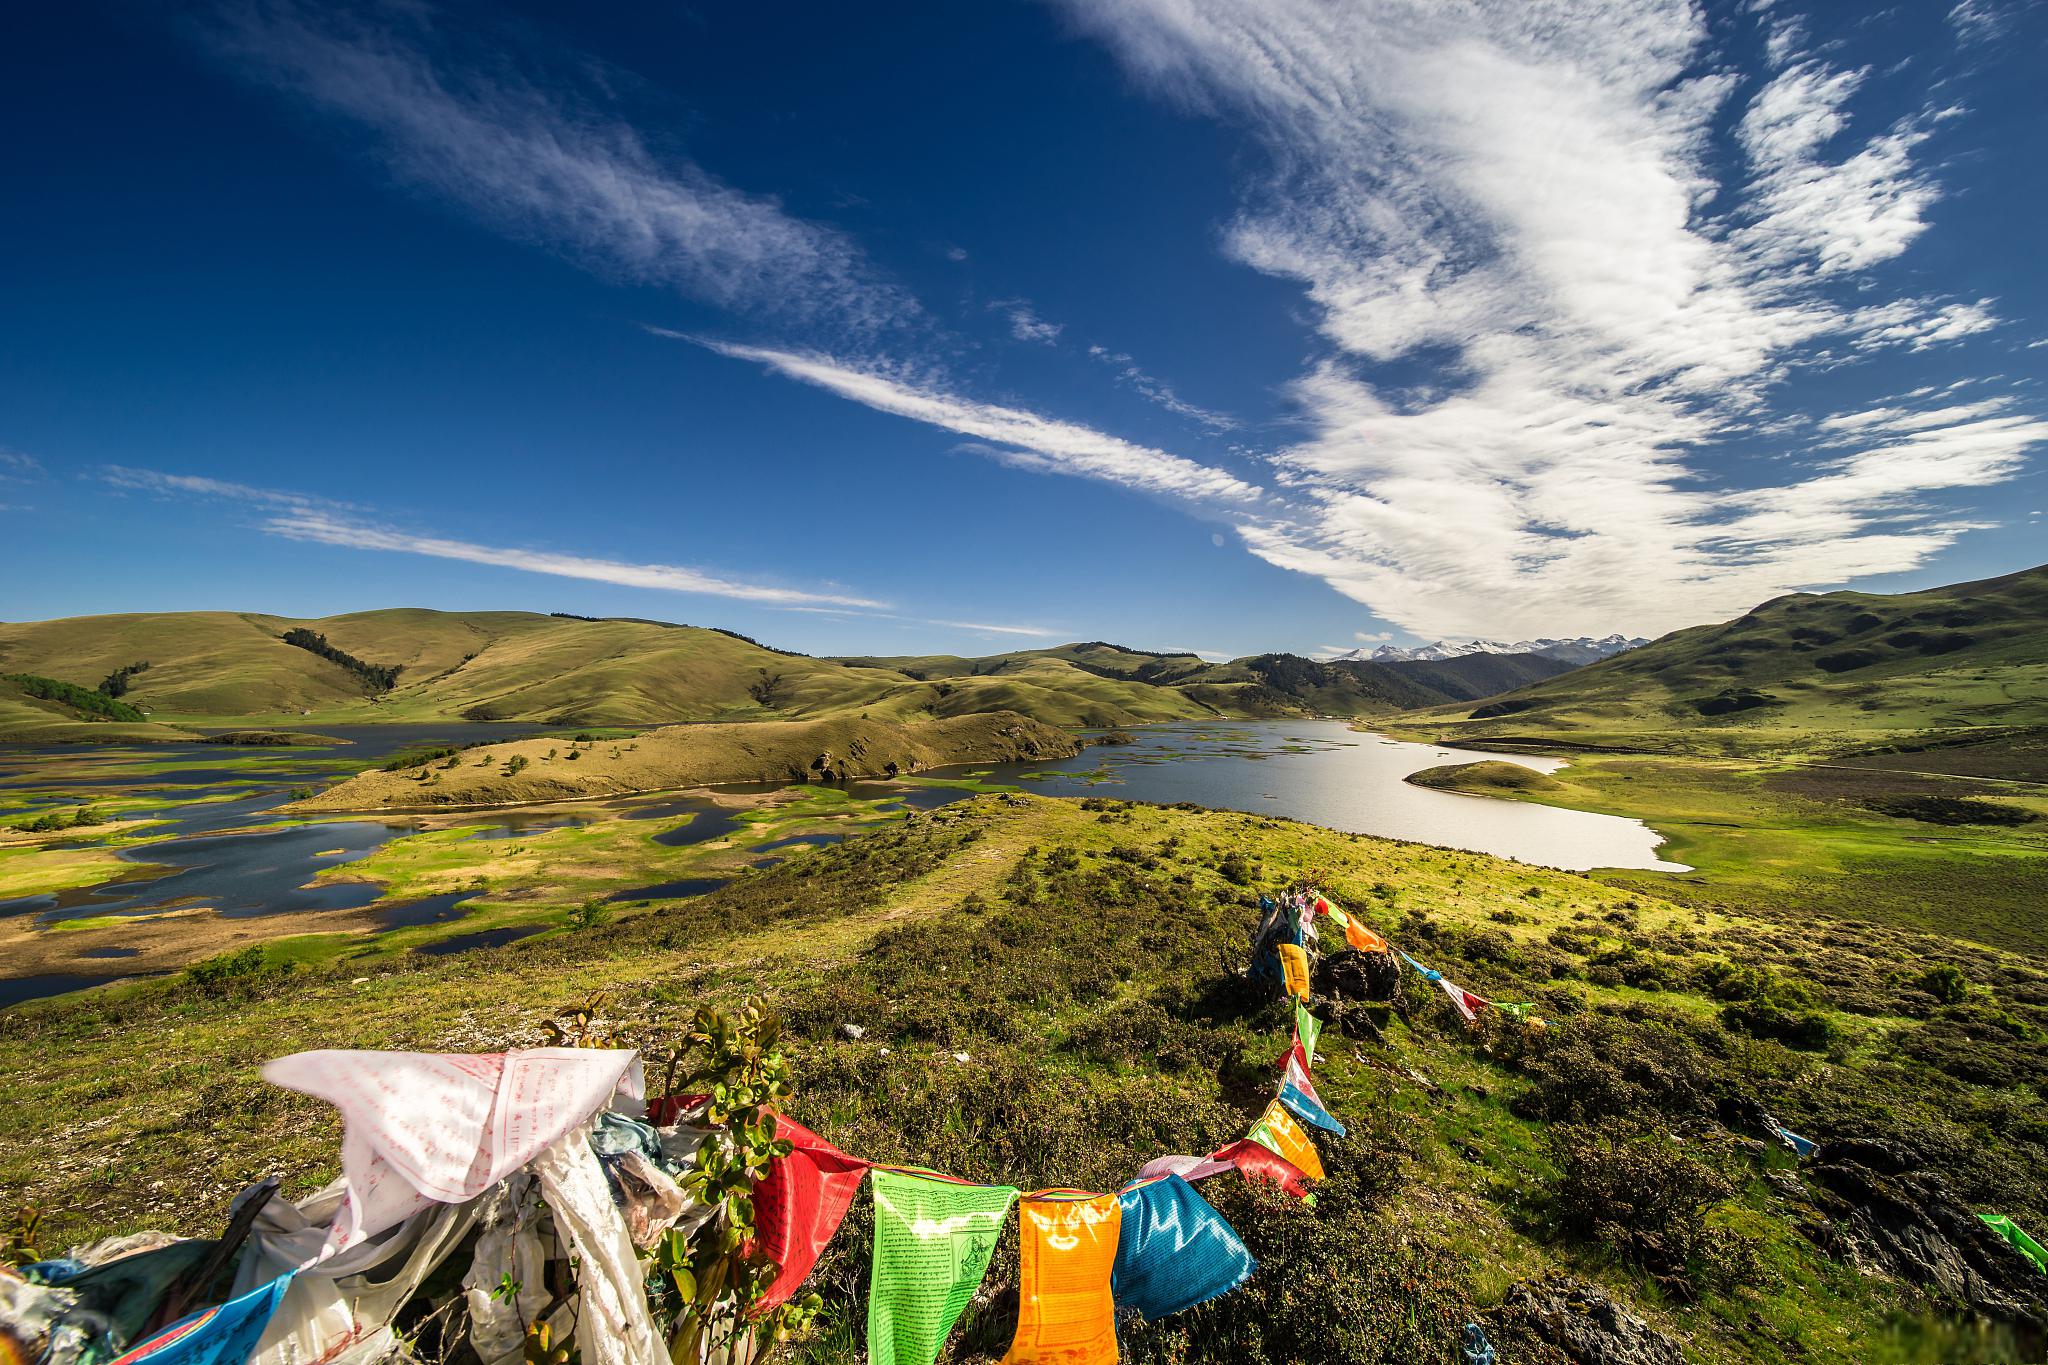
[
  {"x": 1307, "y": 1031},
  {"x": 1277, "y": 1130},
  {"x": 1294, "y": 965},
  {"x": 799, "y": 1205},
  {"x": 1301, "y": 1099},
  {"x": 1257, "y": 1161},
  {"x": 225, "y": 1334},
  {"x": 1362, "y": 938},
  {"x": 1065, "y": 1314},
  {"x": 1461, "y": 998},
  {"x": 1174, "y": 1251},
  {"x": 933, "y": 1240},
  {"x": 2010, "y": 1231}
]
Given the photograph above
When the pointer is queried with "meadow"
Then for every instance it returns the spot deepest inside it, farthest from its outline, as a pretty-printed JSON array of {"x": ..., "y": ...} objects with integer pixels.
[{"x": 1046, "y": 994}]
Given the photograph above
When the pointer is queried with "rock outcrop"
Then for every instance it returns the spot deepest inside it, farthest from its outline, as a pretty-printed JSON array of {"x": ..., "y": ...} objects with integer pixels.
[{"x": 1558, "y": 1320}]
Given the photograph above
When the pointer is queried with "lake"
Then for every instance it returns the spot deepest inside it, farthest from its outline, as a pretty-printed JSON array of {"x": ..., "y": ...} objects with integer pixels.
[
  {"x": 1328, "y": 774},
  {"x": 1322, "y": 772}
]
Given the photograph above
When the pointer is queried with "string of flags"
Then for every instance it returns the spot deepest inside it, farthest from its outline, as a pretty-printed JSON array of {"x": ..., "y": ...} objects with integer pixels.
[
  {"x": 1154, "y": 1247},
  {"x": 436, "y": 1146}
]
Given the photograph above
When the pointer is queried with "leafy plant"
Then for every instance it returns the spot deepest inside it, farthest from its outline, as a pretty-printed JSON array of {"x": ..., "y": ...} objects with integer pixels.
[
  {"x": 713, "y": 1285},
  {"x": 21, "y": 1237}
]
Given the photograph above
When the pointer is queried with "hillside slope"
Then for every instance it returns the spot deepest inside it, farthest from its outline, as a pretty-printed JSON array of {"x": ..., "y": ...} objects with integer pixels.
[
  {"x": 409, "y": 664},
  {"x": 1955, "y": 668},
  {"x": 1043, "y": 998},
  {"x": 536, "y": 770}
]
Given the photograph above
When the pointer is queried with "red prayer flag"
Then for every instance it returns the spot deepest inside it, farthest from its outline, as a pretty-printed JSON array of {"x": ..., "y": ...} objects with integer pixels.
[
  {"x": 1256, "y": 1161},
  {"x": 799, "y": 1205}
]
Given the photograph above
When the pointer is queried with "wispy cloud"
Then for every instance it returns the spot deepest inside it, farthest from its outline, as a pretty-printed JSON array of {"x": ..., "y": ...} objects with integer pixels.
[
  {"x": 1589, "y": 302},
  {"x": 355, "y": 535},
  {"x": 1025, "y": 324},
  {"x": 303, "y": 517},
  {"x": 543, "y": 159},
  {"x": 1159, "y": 391},
  {"x": 983, "y": 627},
  {"x": 1980, "y": 21},
  {"x": 133, "y": 480},
  {"x": 1012, "y": 434}
]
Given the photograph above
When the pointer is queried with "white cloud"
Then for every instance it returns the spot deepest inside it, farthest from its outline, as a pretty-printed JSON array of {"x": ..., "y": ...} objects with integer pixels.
[
  {"x": 1979, "y": 21},
  {"x": 1526, "y": 207},
  {"x": 133, "y": 480},
  {"x": 1025, "y": 324},
  {"x": 984, "y": 628},
  {"x": 325, "y": 529},
  {"x": 1159, "y": 391},
  {"x": 1918, "y": 324},
  {"x": 16, "y": 467},
  {"x": 546, "y": 164},
  {"x": 1016, "y": 436},
  {"x": 302, "y": 517}
]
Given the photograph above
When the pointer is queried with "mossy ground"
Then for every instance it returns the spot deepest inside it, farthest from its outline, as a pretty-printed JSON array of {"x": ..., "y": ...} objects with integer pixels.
[{"x": 1079, "y": 954}]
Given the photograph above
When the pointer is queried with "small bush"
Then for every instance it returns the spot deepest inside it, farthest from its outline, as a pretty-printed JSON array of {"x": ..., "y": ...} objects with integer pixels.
[
  {"x": 236, "y": 973},
  {"x": 1945, "y": 982},
  {"x": 1642, "y": 1196}
]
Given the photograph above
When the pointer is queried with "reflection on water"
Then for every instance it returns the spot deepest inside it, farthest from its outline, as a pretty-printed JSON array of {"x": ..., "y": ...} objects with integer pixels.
[
  {"x": 800, "y": 840},
  {"x": 1328, "y": 774},
  {"x": 482, "y": 938},
  {"x": 14, "y": 990}
]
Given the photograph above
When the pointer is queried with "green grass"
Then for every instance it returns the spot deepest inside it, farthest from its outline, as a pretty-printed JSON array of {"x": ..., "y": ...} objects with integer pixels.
[
  {"x": 1075, "y": 951},
  {"x": 1794, "y": 841}
]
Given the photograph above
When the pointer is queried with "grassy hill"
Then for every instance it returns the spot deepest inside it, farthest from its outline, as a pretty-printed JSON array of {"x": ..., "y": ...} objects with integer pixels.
[
  {"x": 1044, "y": 995},
  {"x": 1954, "y": 676},
  {"x": 526, "y": 771},
  {"x": 236, "y": 668},
  {"x": 28, "y": 715}
]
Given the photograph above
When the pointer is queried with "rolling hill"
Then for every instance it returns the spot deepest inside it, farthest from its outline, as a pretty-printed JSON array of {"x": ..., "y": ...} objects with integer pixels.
[
  {"x": 1960, "y": 672},
  {"x": 408, "y": 664}
]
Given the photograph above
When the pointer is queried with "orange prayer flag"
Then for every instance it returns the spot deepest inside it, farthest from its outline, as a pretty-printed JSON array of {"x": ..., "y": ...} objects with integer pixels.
[
  {"x": 1362, "y": 938},
  {"x": 1065, "y": 1312},
  {"x": 1294, "y": 965},
  {"x": 1277, "y": 1131}
]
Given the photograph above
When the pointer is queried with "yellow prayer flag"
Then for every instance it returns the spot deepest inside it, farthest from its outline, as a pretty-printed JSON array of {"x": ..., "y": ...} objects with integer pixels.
[
  {"x": 1065, "y": 1313},
  {"x": 1294, "y": 964},
  {"x": 1277, "y": 1131}
]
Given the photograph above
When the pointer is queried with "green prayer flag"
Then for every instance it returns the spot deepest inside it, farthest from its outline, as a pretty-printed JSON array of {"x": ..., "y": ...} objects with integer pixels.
[
  {"x": 933, "y": 1240},
  {"x": 2024, "y": 1244},
  {"x": 1308, "y": 1028}
]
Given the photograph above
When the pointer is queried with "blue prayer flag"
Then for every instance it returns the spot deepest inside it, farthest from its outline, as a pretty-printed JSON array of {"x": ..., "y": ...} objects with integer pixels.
[{"x": 1173, "y": 1250}]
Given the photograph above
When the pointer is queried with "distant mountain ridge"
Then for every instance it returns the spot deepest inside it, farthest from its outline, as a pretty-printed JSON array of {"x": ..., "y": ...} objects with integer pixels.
[
  {"x": 247, "y": 669},
  {"x": 1583, "y": 650}
]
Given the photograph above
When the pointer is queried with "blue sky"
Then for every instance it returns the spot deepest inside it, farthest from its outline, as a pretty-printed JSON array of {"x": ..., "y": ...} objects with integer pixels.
[{"x": 1230, "y": 325}]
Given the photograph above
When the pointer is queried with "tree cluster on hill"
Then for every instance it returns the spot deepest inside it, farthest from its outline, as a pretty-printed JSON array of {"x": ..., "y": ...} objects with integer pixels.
[
  {"x": 116, "y": 683},
  {"x": 94, "y": 705},
  {"x": 376, "y": 677}
]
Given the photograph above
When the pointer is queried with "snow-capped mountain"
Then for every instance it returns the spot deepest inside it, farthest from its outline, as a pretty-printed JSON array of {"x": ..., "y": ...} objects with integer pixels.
[{"x": 1583, "y": 650}]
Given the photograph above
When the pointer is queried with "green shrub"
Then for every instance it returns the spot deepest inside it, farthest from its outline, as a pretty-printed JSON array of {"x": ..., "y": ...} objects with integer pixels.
[
  {"x": 236, "y": 973},
  {"x": 1945, "y": 982},
  {"x": 1641, "y": 1195},
  {"x": 1598, "y": 1066}
]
